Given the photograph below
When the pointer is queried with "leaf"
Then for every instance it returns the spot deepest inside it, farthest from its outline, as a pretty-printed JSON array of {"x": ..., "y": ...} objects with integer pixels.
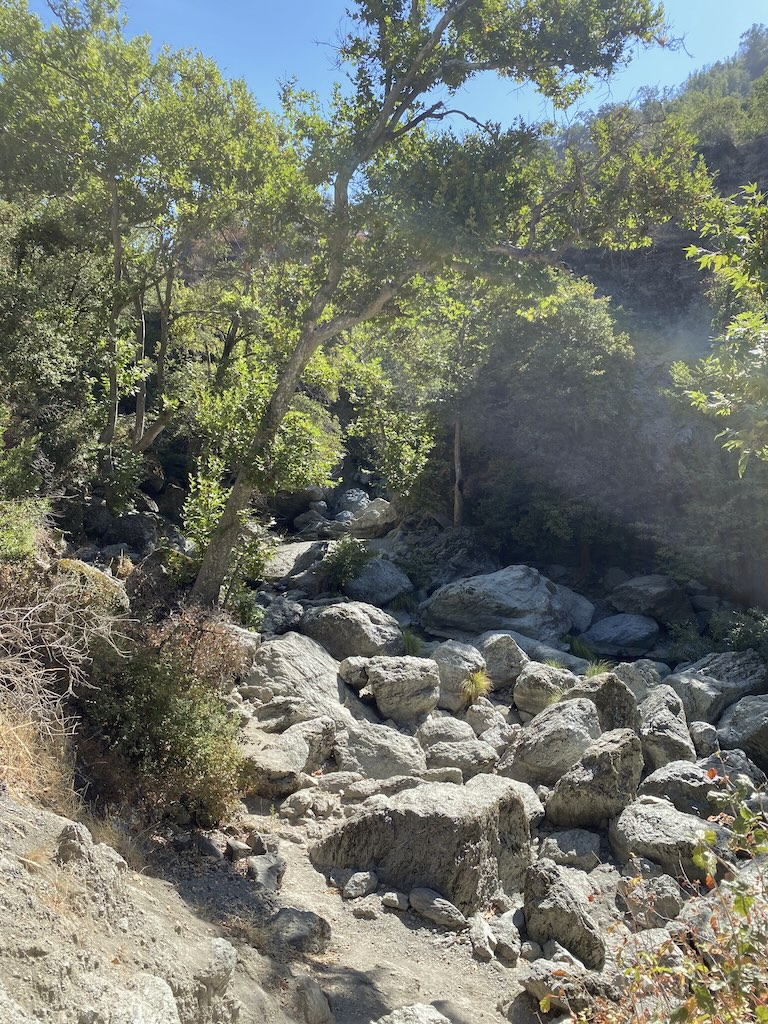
[
  {"x": 545, "y": 1003},
  {"x": 742, "y": 903},
  {"x": 761, "y": 1012},
  {"x": 712, "y": 773}
]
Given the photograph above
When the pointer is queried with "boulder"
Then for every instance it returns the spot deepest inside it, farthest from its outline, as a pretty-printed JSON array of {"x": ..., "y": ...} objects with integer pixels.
[
  {"x": 538, "y": 686},
  {"x": 375, "y": 520},
  {"x": 710, "y": 686},
  {"x": 507, "y": 936},
  {"x": 553, "y": 910},
  {"x": 277, "y": 764},
  {"x": 663, "y": 729},
  {"x": 745, "y": 726},
  {"x": 482, "y": 938},
  {"x": 552, "y": 742},
  {"x": 622, "y": 635},
  {"x": 379, "y": 752},
  {"x": 281, "y": 616},
  {"x": 405, "y": 689},
  {"x": 600, "y": 784},
  {"x": 294, "y": 561},
  {"x": 504, "y": 658},
  {"x": 455, "y": 662},
  {"x": 516, "y": 598},
  {"x": 435, "y": 908},
  {"x": 650, "y": 902},
  {"x": 379, "y": 582},
  {"x": 687, "y": 786},
  {"x": 444, "y": 729},
  {"x": 481, "y": 715},
  {"x": 466, "y": 842},
  {"x": 578, "y": 607},
  {"x": 472, "y": 757},
  {"x": 658, "y": 597},
  {"x": 353, "y": 500},
  {"x": 641, "y": 676},
  {"x": 575, "y": 848},
  {"x": 704, "y": 738},
  {"x": 615, "y": 702},
  {"x": 738, "y": 767},
  {"x": 353, "y": 629},
  {"x": 654, "y": 829},
  {"x": 294, "y": 679}
]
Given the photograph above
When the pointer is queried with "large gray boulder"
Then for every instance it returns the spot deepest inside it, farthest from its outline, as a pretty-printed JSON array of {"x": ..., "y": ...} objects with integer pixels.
[
  {"x": 444, "y": 729},
  {"x": 353, "y": 628},
  {"x": 654, "y": 829},
  {"x": 745, "y": 726},
  {"x": 717, "y": 681},
  {"x": 622, "y": 635},
  {"x": 553, "y": 910},
  {"x": 379, "y": 752},
  {"x": 375, "y": 520},
  {"x": 278, "y": 764},
  {"x": 467, "y": 842},
  {"x": 641, "y": 676},
  {"x": 293, "y": 679},
  {"x": 504, "y": 658},
  {"x": 455, "y": 662},
  {"x": 293, "y": 560},
  {"x": 537, "y": 650},
  {"x": 516, "y": 598},
  {"x": 379, "y": 582},
  {"x": 687, "y": 786},
  {"x": 552, "y": 742},
  {"x": 659, "y": 597},
  {"x": 601, "y": 784},
  {"x": 538, "y": 686},
  {"x": 405, "y": 689},
  {"x": 471, "y": 757},
  {"x": 663, "y": 730},
  {"x": 615, "y": 702}
]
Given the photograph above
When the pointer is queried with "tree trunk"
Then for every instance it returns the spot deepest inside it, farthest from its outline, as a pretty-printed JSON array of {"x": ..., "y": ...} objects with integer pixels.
[
  {"x": 458, "y": 472},
  {"x": 141, "y": 342},
  {"x": 108, "y": 434}
]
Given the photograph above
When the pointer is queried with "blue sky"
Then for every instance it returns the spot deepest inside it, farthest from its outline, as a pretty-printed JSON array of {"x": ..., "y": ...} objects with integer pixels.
[{"x": 264, "y": 41}]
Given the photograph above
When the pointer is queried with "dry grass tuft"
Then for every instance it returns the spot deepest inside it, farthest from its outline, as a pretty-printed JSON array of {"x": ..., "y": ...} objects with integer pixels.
[{"x": 37, "y": 766}]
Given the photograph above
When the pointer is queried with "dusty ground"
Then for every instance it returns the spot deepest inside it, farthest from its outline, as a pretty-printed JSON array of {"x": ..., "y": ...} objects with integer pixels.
[{"x": 78, "y": 940}]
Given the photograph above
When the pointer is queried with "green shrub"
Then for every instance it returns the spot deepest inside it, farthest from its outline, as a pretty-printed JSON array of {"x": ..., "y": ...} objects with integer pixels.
[
  {"x": 477, "y": 684},
  {"x": 174, "y": 733},
  {"x": 346, "y": 560},
  {"x": 727, "y": 631},
  {"x": 21, "y": 522}
]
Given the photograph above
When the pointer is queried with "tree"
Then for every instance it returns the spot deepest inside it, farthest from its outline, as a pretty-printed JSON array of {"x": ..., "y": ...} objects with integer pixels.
[
  {"x": 156, "y": 152},
  {"x": 732, "y": 383},
  {"x": 399, "y": 201}
]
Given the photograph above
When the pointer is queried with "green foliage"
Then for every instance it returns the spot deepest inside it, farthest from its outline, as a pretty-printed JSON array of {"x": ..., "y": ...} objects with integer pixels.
[
  {"x": 732, "y": 383},
  {"x": 126, "y": 472},
  {"x": 173, "y": 733},
  {"x": 21, "y": 522},
  {"x": 204, "y": 503},
  {"x": 727, "y": 631},
  {"x": 344, "y": 562},
  {"x": 17, "y": 476},
  {"x": 477, "y": 684},
  {"x": 413, "y": 643}
]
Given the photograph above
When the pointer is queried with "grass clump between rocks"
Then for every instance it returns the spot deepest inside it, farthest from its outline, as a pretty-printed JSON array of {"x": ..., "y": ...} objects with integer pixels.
[
  {"x": 413, "y": 643},
  {"x": 477, "y": 684},
  {"x": 598, "y": 668}
]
